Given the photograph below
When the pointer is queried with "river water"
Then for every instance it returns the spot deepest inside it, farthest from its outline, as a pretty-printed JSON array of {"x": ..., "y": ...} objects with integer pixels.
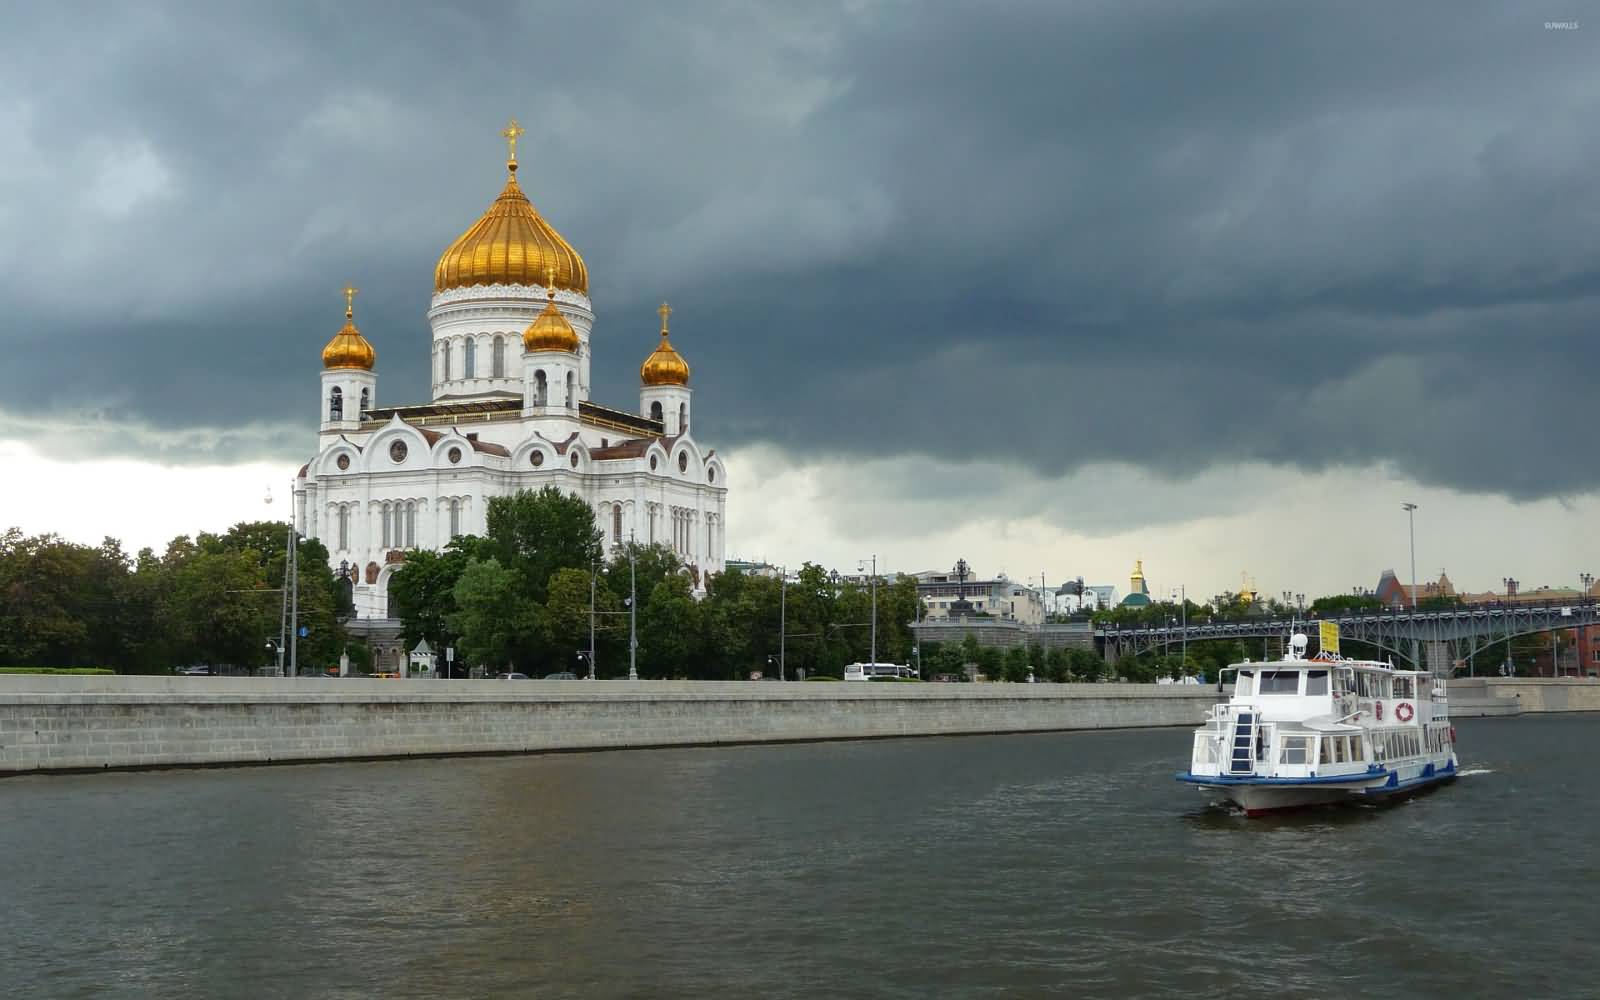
[{"x": 1059, "y": 864}]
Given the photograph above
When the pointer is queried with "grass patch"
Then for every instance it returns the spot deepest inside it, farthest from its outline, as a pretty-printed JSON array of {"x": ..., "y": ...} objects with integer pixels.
[{"x": 56, "y": 670}]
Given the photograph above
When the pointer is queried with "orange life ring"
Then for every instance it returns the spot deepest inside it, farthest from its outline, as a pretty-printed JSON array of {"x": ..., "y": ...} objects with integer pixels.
[
  {"x": 1377, "y": 709},
  {"x": 1403, "y": 712}
]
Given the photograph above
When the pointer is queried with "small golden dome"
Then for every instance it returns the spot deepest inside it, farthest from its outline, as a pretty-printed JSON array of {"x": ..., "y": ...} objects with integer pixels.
[
  {"x": 664, "y": 366},
  {"x": 348, "y": 348},
  {"x": 510, "y": 244},
  {"x": 550, "y": 330}
]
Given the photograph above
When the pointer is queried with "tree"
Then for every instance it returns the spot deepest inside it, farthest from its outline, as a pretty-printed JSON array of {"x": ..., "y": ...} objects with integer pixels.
[
  {"x": 422, "y": 591},
  {"x": 496, "y": 623},
  {"x": 566, "y": 616},
  {"x": 669, "y": 627},
  {"x": 536, "y": 534}
]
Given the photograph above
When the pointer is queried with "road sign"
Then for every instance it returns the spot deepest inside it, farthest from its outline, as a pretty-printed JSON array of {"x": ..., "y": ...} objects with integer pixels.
[
  {"x": 304, "y": 631},
  {"x": 449, "y": 654}
]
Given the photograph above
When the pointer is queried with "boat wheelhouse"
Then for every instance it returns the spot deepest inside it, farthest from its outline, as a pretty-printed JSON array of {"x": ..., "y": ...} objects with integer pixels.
[{"x": 1299, "y": 732}]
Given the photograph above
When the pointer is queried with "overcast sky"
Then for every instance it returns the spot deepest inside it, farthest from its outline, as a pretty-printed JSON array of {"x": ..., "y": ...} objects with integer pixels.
[{"x": 1051, "y": 286}]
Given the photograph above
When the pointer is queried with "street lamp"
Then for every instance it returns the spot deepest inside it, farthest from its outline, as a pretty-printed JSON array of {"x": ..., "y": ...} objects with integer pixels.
[
  {"x": 1411, "y": 521},
  {"x": 873, "y": 583}
]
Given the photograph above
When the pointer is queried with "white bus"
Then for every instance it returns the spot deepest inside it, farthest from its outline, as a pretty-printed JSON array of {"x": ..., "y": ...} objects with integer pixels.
[{"x": 867, "y": 671}]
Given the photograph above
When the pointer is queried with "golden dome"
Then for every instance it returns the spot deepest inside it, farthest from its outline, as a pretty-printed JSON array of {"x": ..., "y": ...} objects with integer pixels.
[
  {"x": 664, "y": 366},
  {"x": 510, "y": 244},
  {"x": 348, "y": 348},
  {"x": 550, "y": 330}
]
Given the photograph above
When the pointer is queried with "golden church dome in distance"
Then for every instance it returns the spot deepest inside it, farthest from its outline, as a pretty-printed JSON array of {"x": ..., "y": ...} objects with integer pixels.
[
  {"x": 664, "y": 366},
  {"x": 550, "y": 330},
  {"x": 348, "y": 348},
  {"x": 511, "y": 243}
]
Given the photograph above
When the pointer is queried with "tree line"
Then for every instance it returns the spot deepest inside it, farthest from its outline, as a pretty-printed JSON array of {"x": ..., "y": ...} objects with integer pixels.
[
  {"x": 207, "y": 600},
  {"x": 519, "y": 597}
]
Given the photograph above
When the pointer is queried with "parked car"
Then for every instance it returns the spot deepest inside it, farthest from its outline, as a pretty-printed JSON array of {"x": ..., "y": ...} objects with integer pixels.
[
  {"x": 561, "y": 675},
  {"x": 513, "y": 676},
  {"x": 199, "y": 671}
]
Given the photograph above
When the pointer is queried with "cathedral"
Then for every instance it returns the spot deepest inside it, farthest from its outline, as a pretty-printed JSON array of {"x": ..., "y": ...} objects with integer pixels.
[{"x": 512, "y": 327}]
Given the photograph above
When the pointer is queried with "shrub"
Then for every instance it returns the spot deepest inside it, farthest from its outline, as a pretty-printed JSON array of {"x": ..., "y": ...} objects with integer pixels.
[{"x": 56, "y": 670}]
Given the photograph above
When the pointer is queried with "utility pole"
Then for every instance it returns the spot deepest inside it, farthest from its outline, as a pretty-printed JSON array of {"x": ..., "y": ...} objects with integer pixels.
[
  {"x": 783, "y": 617},
  {"x": 294, "y": 596},
  {"x": 592, "y": 571},
  {"x": 1411, "y": 518},
  {"x": 283, "y": 618},
  {"x": 633, "y": 615},
  {"x": 873, "y": 584}
]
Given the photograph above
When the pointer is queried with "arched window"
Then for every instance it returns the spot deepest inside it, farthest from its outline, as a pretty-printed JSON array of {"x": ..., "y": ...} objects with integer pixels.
[
  {"x": 344, "y": 527},
  {"x": 616, "y": 523},
  {"x": 540, "y": 388},
  {"x": 388, "y": 537},
  {"x": 446, "y": 376},
  {"x": 497, "y": 359},
  {"x": 455, "y": 517},
  {"x": 683, "y": 418},
  {"x": 469, "y": 359},
  {"x": 336, "y": 404},
  {"x": 572, "y": 391},
  {"x": 366, "y": 404},
  {"x": 655, "y": 411},
  {"x": 411, "y": 523}
]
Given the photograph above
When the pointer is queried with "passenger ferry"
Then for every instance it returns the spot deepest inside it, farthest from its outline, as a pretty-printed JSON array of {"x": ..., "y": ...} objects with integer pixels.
[{"x": 1301, "y": 732}]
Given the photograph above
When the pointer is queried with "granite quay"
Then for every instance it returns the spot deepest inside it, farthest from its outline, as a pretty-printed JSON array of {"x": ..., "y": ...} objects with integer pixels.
[{"x": 92, "y": 723}]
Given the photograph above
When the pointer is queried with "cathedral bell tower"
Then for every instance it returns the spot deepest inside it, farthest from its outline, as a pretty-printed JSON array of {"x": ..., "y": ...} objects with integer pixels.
[
  {"x": 550, "y": 377},
  {"x": 349, "y": 386},
  {"x": 664, "y": 384}
]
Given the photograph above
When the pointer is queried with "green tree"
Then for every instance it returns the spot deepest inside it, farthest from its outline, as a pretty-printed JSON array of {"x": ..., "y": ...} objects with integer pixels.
[
  {"x": 536, "y": 534},
  {"x": 422, "y": 592},
  {"x": 669, "y": 627},
  {"x": 494, "y": 619}
]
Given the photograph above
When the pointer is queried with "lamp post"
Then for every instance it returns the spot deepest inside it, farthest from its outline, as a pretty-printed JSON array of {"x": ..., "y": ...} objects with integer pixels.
[
  {"x": 633, "y": 615},
  {"x": 873, "y": 584},
  {"x": 1411, "y": 523},
  {"x": 783, "y": 617},
  {"x": 593, "y": 570}
]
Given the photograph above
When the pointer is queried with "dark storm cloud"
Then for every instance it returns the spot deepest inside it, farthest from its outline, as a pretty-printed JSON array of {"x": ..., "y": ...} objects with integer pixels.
[{"x": 1174, "y": 234}]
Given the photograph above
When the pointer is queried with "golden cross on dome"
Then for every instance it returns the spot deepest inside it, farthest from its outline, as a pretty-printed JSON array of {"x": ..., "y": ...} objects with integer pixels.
[
  {"x": 550, "y": 281},
  {"x": 511, "y": 132},
  {"x": 350, "y": 301},
  {"x": 665, "y": 311}
]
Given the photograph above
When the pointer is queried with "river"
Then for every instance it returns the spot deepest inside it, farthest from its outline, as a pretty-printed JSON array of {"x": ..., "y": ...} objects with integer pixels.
[{"x": 1056, "y": 864}]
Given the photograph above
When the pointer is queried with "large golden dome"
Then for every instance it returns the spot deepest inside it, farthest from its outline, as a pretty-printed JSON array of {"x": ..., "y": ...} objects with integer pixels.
[
  {"x": 550, "y": 330},
  {"x": 664, "y": 366},
  {"x": 348, "y": 348},
  {"x": 510, "y": 244}
]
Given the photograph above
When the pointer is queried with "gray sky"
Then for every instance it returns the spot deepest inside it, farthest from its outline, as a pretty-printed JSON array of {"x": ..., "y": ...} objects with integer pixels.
[{"x": 982, "y": 250}]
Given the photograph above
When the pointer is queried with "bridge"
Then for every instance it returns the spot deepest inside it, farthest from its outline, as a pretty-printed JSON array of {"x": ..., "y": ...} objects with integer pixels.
[{"x": 1462, "y": 631}]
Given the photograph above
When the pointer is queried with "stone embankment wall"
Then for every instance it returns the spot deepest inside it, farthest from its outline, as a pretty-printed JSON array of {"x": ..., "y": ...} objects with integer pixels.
[
  {"x": 74, "y": 723},
  {"x": 70, "y": 723},
  {"x": 1491, "y": 696}
]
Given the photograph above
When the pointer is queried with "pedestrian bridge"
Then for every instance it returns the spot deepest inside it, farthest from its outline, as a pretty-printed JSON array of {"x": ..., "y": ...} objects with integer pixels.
[{"x": 1461, "y": 631}]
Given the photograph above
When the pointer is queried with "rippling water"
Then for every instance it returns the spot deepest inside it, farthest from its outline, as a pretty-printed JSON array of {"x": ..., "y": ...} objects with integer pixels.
[{"x": 1025, "y": 865}]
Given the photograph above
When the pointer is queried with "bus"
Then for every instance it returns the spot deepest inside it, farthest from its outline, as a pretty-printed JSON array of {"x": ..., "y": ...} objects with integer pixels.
[{"x": 868, "y": 671}]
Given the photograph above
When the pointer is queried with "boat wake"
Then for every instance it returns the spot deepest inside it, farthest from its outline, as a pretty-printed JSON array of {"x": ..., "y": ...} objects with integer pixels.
[{"x": 1472, "y": 771}]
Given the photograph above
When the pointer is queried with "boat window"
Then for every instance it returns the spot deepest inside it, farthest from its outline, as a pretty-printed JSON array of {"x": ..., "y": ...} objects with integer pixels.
[
  {"x": 1403, "y": 688},
  {"x": 1246, "y": 679},
  {"x": 1280, "y": 682},
  {"x": 1316, "y": 682},
  {"x": 1341, "y": 749},
  {"x": 1325, "y": 751},
  {"x": 1292, "y": 750}
]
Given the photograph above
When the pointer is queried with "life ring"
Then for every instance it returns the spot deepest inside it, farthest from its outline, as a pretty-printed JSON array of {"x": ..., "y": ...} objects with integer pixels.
[
  {"x": 1403, "y": 712},
  {"x": 1377, "y": 709}
]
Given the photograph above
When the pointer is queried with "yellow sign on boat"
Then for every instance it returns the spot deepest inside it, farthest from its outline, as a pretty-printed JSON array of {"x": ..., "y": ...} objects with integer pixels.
[{"x": 1330, "y": 637}]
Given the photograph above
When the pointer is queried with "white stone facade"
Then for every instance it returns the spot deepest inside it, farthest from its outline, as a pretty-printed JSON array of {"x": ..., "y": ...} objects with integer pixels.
[{"x": 398, "y": 479}]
